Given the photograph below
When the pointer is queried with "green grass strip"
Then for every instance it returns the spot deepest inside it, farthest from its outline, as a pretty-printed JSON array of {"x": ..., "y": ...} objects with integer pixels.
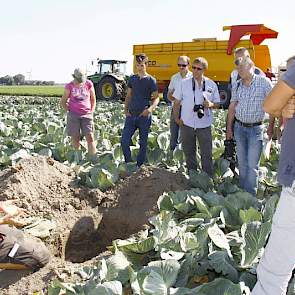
[{"x": 32, "y": 90}]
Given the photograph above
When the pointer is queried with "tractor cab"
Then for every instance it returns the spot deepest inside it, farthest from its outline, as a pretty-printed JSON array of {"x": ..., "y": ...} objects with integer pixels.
[
  {"x": 111, "y": 66},
  {"x": 110, "y": 79}
]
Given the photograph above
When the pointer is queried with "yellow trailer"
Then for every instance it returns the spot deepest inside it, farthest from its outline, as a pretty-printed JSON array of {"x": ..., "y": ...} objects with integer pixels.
[{"x": 163, "y": 56}]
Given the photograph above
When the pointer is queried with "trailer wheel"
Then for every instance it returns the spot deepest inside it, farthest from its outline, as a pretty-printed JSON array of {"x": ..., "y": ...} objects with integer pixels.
[{"x": 165, "y": 95}]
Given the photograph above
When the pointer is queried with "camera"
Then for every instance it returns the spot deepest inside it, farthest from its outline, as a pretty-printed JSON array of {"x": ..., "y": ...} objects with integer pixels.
[{"x": 199, "y": 109}]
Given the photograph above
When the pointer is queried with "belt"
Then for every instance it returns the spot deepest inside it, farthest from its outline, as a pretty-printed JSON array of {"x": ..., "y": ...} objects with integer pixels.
[
  {"x": 135, "y": 113},
  {"x": 248, "y": 124}
]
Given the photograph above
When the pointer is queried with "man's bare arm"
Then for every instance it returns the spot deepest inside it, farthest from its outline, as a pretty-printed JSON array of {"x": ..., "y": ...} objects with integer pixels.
[
  {"x": 127, "y": 101},
  {"x": 278, "y": 98},
  {"x": 170, "y": 95},
  {"x": 176, "y": 111},
  {"x": 155, "y": 101},
  {"x": 230, "y": 119}
]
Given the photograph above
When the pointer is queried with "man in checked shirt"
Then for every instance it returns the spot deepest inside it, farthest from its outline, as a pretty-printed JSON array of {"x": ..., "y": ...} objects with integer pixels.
[{"x": 245, "y": 121}]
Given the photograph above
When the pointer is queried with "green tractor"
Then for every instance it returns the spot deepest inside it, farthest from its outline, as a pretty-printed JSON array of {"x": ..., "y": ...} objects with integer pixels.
[{"x": 110, "y": 80}]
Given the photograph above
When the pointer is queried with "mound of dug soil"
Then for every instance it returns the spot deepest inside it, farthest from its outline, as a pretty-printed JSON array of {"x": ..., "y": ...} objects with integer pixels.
[{"x": 87, "y": 220}]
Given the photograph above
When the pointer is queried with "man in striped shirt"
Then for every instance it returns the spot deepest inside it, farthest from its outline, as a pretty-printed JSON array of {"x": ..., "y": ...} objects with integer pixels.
[{"x": 246, "y": 110}]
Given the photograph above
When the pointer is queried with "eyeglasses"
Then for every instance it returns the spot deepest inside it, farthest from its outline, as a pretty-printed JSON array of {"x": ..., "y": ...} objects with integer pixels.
[
  {"x": 242, "y": 60},
  {"x": 238, "y": 61},
  {"x": 182, "y": 65},
  {"x": 197, "y": 68}
]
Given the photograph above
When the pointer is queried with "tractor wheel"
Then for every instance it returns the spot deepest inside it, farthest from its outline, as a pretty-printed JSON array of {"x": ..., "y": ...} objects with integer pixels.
[{"x": 107, "y": 89}]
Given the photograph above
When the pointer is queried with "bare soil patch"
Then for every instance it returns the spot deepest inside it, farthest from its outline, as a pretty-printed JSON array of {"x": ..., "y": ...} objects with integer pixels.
[{"x": 87, "y": 220}]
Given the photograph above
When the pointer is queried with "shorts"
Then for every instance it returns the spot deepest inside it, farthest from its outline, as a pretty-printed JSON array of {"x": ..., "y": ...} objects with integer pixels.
[
  {"x": 29, "y": 251},
  {"x": 78, "y": 125}
]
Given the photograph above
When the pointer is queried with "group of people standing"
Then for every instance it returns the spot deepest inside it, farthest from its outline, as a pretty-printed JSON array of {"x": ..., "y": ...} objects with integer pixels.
[
  {"x": 193, "y": 93},
  {"x": 193, "y": 97}
]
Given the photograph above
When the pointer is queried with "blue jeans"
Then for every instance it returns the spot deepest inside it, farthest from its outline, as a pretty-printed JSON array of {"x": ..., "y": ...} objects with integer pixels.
[
  {"x": 249, "y": 148},
  {"x": 132, "y": 123}
]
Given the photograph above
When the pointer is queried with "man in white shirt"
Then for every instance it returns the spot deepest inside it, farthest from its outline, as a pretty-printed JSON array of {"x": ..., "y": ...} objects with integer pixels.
[
  {"x": 197, "y": 96},
  {"x": 183, "y": 64}
]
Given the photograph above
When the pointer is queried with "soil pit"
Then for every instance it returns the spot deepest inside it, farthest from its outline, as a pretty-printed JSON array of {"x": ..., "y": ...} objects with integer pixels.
[{"x": 87, "y": 220}]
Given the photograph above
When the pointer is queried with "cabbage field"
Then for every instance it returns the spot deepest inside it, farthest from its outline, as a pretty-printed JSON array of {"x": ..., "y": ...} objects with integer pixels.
[{"x": 206, "y": 240}]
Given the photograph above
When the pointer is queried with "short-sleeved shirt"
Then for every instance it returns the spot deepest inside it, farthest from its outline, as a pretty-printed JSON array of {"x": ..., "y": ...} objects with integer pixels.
[
  {"x": 184, "y": 93},
  {"x": 250, "y": 99},
  {"x": 176, "y": 80},
  {"x": 142, "y": 89},
  {"x": 286, "y": 171},
  {"x": 234, "y": 76},
  {"x": 79, "y": 99}
]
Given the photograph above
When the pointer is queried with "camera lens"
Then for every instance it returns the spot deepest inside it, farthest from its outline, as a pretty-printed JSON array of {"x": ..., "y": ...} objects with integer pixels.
[{"x": 200, "y": 113}]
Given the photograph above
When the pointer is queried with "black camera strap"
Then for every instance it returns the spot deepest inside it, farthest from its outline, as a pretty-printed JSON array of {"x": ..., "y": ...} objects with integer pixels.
[{"x": 194, "y": 88}]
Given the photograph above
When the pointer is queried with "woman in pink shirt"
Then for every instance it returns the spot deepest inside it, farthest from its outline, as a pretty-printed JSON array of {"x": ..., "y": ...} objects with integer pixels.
[{"x": 79, "y": 101}]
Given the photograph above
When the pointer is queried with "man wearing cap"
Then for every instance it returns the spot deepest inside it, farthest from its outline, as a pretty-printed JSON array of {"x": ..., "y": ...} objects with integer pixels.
[
  {"x": 197, "y": 96},
  {"x": 141, "y": 99},
  {"x": 18, "y": 253},
  {"x": 79, "y": 101},
  {"x": 183, "y": 64},
  {"x": 245, "y": 115},
  {"x": 275, "y": 267}
]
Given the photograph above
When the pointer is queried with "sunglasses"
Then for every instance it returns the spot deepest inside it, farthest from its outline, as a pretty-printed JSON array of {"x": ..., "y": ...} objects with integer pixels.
[
  {"x": 238, "y": 61},
  {"x": 197, "y": 68},
  {"x": 140, "y": 58},
  {"x": 182, "y": 65}
]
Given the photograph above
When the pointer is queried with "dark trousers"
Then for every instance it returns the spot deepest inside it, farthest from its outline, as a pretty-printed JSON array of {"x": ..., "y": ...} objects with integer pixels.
[
  {"x": 132, "y": 123},
  {"x": 30, "y": 252},
  {"x": 174, "y": 133},
  {"x": 189, "y": 136}
]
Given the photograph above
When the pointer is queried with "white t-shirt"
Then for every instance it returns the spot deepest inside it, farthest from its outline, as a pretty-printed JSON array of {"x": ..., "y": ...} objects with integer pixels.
[{"x": 184, "y": 92}]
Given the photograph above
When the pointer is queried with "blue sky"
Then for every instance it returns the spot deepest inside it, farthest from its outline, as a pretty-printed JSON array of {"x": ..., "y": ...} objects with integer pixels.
[{"x": 51, "y": 38}]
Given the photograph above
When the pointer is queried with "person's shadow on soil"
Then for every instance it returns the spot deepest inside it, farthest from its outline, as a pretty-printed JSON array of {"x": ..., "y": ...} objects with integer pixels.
[
  {"x": 83, "y": 241},
  {"x": 88, "y": 237}
]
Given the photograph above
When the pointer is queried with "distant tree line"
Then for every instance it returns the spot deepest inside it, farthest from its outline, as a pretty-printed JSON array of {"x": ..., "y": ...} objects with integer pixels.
[{"x": 19, "y": 79}]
